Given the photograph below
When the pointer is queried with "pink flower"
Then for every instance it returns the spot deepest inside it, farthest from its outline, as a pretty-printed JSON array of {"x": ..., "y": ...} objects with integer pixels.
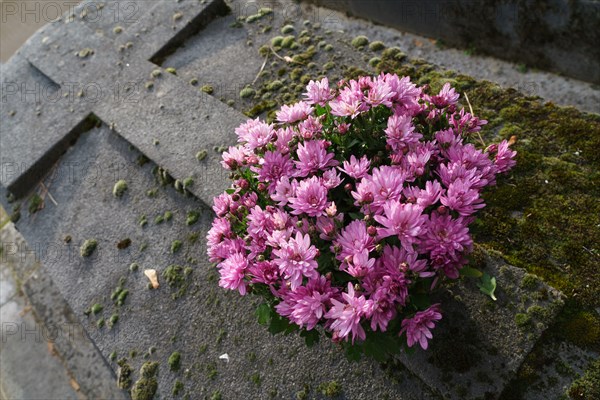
[
  {"x": 234, "y": 157},
  {"x": 346, "y": 317},
  {"x": 447, "y": 96},
  {"x": 232, "y": 272},
  {"x": 462, "y": 198},
  {"x": 310, "y": 127},
  {"x": 424, "y": 197},
  {"x": 311, "y": 198},
  {"x": 331, "y": 179},
  {"x": 255, "y": 134},
  {"x": 313, "y": 157},
  {"x": 293, "y": 113},
  {"x": 418, "y": 328},
  {"x": 274, "y": 165},
  {"x": 306, "y": 305},
  {"x": 264, "y": 272},
  {"x": 400, "y": 133},
  {"x": 360, "y": 265},
  {"x": 284, "y": 190},
  {"x": 349, "y": 103},
  {"x": 354, "y": 239},
  {"x": 318, "y": 92},
  {"x": 380, "y": 93},
  {"x": 284, "y": 137},
  {"x": 402, "y": 220},
  {"x": 356, "y": 168},
  {"x": 505, "y": 157},
  {"x": 446, "y": 239},
  {"x": 296, "y": 258},
  {"x": 387, "y": 185}
]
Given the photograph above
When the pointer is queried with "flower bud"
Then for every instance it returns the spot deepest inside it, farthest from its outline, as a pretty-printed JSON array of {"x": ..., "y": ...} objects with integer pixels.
[
  {"x": 261, "y": 187},
  {"x": 442, "y": 210},
  {"x": 299, "y": 224},
  {"x": 411, "y": 199},
  {"x": 328, "y": 276},
  {"x": 260, "y": 257},
  {"x": 368, "y": 198},
  {"x": 348, "y": 187},
  {"x": 403, "y": 267},
  {"x": 368, "y": 218},
  {"x": 379, "y": 248},
  {"x": 243, "y": 183},
  {"x": 235, "y": 197},
  {"x": 372, "y": 231}
]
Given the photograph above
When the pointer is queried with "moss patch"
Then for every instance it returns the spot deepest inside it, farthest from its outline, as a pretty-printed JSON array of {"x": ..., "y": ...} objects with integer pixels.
[
  {"x": 88, "y": 247},
  {"x": 588, "y": 386},
  {"x": 175, "y": 361},
  {"x": 145, "y": 388}
]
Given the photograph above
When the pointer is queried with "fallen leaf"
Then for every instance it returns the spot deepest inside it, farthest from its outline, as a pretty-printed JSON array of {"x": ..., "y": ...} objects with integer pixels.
[{"x": 152, "y": 276}]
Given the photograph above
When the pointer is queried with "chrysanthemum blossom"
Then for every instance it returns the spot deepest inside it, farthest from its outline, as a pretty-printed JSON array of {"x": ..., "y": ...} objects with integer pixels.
[
  {"x": 318, "y": 92},
  {"x": 313, "y": 157},
  {"x": 402, "y": 220},
  {"x": 418, "y": 328},
  {"x": 310, "y": 199},
  {"x": 306, "y": 305},
  {"x": 232, "y": 272},
  {"x": 293, "y": 113},
  {"x": 356, "y": 168},
  {"x": 255, "y": 134},
  {"x": 296, "y": 259},
  {"x": 345, "y": 317},
  {"x": 354, "y": 239}
]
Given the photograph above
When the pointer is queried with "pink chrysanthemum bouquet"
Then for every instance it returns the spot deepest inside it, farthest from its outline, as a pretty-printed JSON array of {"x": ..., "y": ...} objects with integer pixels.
[{"x": 351, "y": 208}]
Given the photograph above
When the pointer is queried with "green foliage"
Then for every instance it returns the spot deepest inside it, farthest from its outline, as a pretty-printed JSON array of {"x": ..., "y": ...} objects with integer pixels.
[
  {"x": 588, "y": 385},
  {"x": 488, "y": 285}
]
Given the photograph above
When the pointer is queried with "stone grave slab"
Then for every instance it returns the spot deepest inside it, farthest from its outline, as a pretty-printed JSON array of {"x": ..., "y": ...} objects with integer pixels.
[{"x": 194, "y": 316}]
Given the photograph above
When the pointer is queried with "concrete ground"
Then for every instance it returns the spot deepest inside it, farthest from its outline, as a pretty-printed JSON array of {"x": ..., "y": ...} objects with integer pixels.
[{"x": 30, "y": 367}]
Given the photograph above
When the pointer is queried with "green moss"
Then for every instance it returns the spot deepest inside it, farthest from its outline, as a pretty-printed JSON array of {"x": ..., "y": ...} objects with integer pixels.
[
  {"x": 122, "y": 297},
  {"x": 134, "y": 267},
  {"x": 188, "y": 182},
  {"x": 588, "y": 385},
  {"x": 287, "y": 29},
  {"x": 208, "y": 89},
  {"x": 275, "y": 85},
  {"x": 255, "y": 378},
  {"x": 328, "y": 47},
  {"x": 328, "y": 65},
  {"x": 159, "y": 219},
  {"x": 112, "y": 356},
  {"x": 522, "y": 320},
  {"x": 117, "y": 30},
  {"x": 100, "y": 323},
  {"x": 539, "y": 313},
  {"x": 124, "y": 374},
  {"x": 582, "y": 328},
  {"x": 288, "y": 41},
  {"x": 216, "y": 395},
  {"x": 177, "y": 388},
  {"x": 330, "y": 389},
  {"x": 277, "y": 41},
  {"x": 119, "y": 188},
  {"x": 143, "y": 221},
  {"x": 113, "y": 320},
  {"x": 175, "y": 361},
  {"x": 192, "y": 217},
  {"x": 88, "y": 247},
  {"x": 168, "y": 215},
  {"x": 175, "y": 246},
  {"x": 373, "y": 62},
  {"x": 259, "y": 108},
  {"x": 360, "y": 41},
  {"x": 145, "y": 388},
  {"x": 377, "y": 46},
  {"x": 156, "y": 73},
  {"x": 201, "y": 155},
  {"x": 171, "y": 70},
  {"x": 247, "y": 92},
  {"x": 34, "y": 203},
  {"x": 530, "y": 281},
  {"x": 97, "y": 308}
]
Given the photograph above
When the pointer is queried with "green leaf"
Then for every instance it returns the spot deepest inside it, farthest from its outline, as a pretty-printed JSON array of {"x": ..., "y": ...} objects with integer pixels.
[
  {"x": 263, "y": 312},
  {"x": 310, "y": 337},
  {"x": 280, "y": 324},
  {"x": 353, "y": 352},
  {"x": 230, "y": 191},
  {"x": 488, "y": 285},
  {"x": 471, "y": 272},
  {"x": 357, "y": 216},
  {"x": 421, "y": 301},
  {"x": 380, "y": 346}
]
